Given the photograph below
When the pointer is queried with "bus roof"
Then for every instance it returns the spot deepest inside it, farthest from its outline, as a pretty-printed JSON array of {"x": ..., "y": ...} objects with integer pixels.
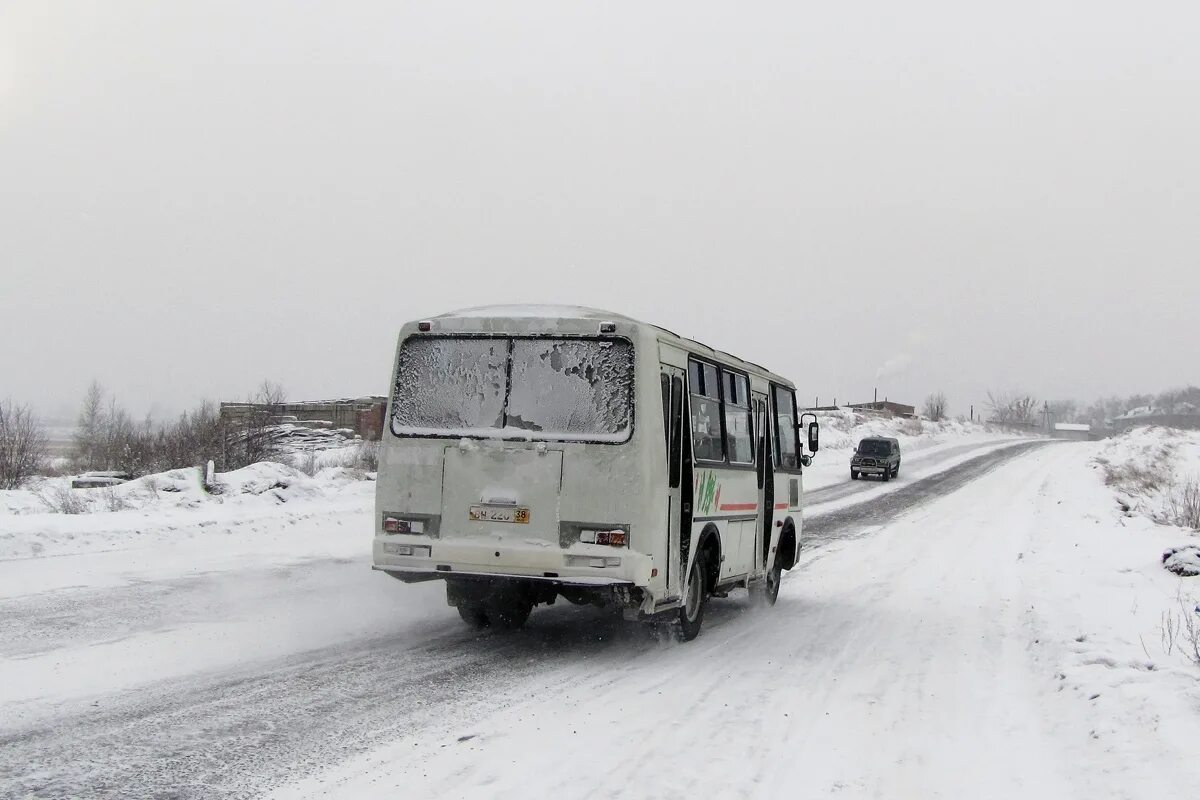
[{"x": 564, "y": 312}]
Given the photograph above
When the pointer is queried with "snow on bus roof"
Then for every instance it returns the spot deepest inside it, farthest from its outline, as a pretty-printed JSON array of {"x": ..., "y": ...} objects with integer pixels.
[
  {"x": 549, "y": 311},
  {"x": 534, "y": 312}
]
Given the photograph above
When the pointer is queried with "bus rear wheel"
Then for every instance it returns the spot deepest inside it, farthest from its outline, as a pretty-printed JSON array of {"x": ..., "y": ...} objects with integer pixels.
[
  {"x": 767, "y": 591},
  {"x": 474, "y": 615},
  {"x": 691, "y": 613},
  {"x": 508, "y": 613}
]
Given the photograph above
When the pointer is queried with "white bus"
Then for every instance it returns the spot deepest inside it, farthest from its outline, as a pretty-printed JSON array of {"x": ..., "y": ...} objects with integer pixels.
[{"x": 537, "y": 452}]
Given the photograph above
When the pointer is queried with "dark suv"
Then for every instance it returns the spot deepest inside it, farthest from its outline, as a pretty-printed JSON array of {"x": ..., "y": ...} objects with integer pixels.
[{"x": 876, "y": 456}]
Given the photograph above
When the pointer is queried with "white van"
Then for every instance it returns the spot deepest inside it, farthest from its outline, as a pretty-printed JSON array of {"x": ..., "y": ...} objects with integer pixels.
[{"x": 537, "y": 452}]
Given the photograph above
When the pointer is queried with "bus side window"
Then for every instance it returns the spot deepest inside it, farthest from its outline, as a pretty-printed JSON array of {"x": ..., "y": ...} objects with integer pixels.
[
  {"x": 708, "y": 444},
  {"x": 785, "y": 427},
  {"x": 665, "y": 381},
  {"x": 738, "y": 428},
  {"x": 675, "y": 453}
]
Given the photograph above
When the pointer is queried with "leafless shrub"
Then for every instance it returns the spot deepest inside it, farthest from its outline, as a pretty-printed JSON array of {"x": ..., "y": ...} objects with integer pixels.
[
  {"x": 55, "y": 468},
  {"x": 911, "y": 427},
  {"x": 365, "y": 457},
  {"x": 59, "y": 498},
  {"x": 1133, "y": 477},
  {"x": 936, "y": 407},
  {"x": 111, "y": 501},
  {"x": 192, "y": 440},
  {"x": 23, "y": 445},
  {"x": 1181, "y": 504},
  {"x": 307, "y": 462},
  {"x": 362, "y": 457},
  {"x": 1181, "y": 629}
]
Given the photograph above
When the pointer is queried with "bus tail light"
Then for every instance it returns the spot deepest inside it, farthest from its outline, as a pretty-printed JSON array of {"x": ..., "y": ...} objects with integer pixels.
[
  {"x": 397, "y": 525},
  {"x": 613, "y": 538}
]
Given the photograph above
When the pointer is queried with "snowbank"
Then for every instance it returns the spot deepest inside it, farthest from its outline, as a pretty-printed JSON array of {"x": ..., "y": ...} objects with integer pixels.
[
  {"x": 51, "y": 518},
  {"x": 1154, "y": 473}
]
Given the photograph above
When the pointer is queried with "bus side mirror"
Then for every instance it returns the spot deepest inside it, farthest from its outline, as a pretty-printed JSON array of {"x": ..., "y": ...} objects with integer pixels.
[{"x": 814, "y": 433}]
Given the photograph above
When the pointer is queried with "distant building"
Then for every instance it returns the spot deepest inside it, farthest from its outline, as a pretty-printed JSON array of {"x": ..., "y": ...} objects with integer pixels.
[
  {"x": 358, "y": 416},
  {"x": 886, "y": 407},
  {"x": 1073, "y": 431},
  {"x": 1148, "y": 415}
]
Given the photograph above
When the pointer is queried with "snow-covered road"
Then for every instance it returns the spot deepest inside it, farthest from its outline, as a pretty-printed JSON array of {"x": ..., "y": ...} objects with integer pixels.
[{"x": 940, "y": 640}]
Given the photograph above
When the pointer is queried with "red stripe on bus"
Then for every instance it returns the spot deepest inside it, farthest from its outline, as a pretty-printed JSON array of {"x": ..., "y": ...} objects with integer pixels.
[
  {"x": 780, "y": 506},
  {"x": 739, "y": 507}
]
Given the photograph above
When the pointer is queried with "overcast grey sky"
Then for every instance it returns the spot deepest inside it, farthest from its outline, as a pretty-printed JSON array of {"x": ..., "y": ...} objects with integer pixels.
[{"x": 195, "y": 196}]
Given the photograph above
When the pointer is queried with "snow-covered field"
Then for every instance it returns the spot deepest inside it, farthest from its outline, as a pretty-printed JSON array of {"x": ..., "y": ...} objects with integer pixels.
[{"x": 1008, "y": 638}]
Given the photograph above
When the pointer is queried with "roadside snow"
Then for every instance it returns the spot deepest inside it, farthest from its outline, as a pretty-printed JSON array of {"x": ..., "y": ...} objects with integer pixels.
[
  {"x": 1154, "y": 473},
  {"x": 183, "y": 580},
  {"x": 167, "y": 506}
]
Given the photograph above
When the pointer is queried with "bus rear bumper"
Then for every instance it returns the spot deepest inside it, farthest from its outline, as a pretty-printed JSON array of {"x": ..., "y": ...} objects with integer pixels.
[{"x": 580, "y": 565}]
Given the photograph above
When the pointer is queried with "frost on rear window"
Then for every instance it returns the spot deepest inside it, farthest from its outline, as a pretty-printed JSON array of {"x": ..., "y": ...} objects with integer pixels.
[
  {"x": 556, "y": 388},
  {"x": 449, "y": 385},
  {"x": 571, "y": 388}
]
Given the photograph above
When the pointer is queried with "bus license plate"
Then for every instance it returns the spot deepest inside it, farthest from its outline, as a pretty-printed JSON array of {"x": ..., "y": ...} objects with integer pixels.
[{"x": 515, "y": 514}]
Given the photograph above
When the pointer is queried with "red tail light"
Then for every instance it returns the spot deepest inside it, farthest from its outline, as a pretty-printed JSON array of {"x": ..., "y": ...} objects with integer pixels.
[
  {"x": 612, "y": 538},
  {"x": 397, "y": 525}
]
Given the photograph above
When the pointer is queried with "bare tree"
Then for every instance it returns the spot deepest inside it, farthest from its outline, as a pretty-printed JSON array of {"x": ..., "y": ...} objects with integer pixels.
[
  {"x": 1012, "y": 407},
  {"x": 108, "y": 438},
  {"x": 23, "y": 445},
  {"x": 270, "y": 394},
  {"x": 88, "y": 440},
  {"x": 193, "y": 440},
  {"x": 1023, "y": 408},
  {"x": 251, "y": 430},
  {"x": 999, "y": 402},
  {"x": 936, "y": 407}
]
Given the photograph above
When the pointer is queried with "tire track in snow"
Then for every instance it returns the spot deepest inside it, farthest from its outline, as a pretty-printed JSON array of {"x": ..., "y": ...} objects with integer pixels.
[
  {"x": 862, "y": 518},
  {"x": 920, "y": 460}
]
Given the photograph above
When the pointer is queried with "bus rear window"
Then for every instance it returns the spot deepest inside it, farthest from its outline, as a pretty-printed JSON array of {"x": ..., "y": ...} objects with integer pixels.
[
  {"x": 520, "y": 388},
  {"x": 450, "y": 384}
]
